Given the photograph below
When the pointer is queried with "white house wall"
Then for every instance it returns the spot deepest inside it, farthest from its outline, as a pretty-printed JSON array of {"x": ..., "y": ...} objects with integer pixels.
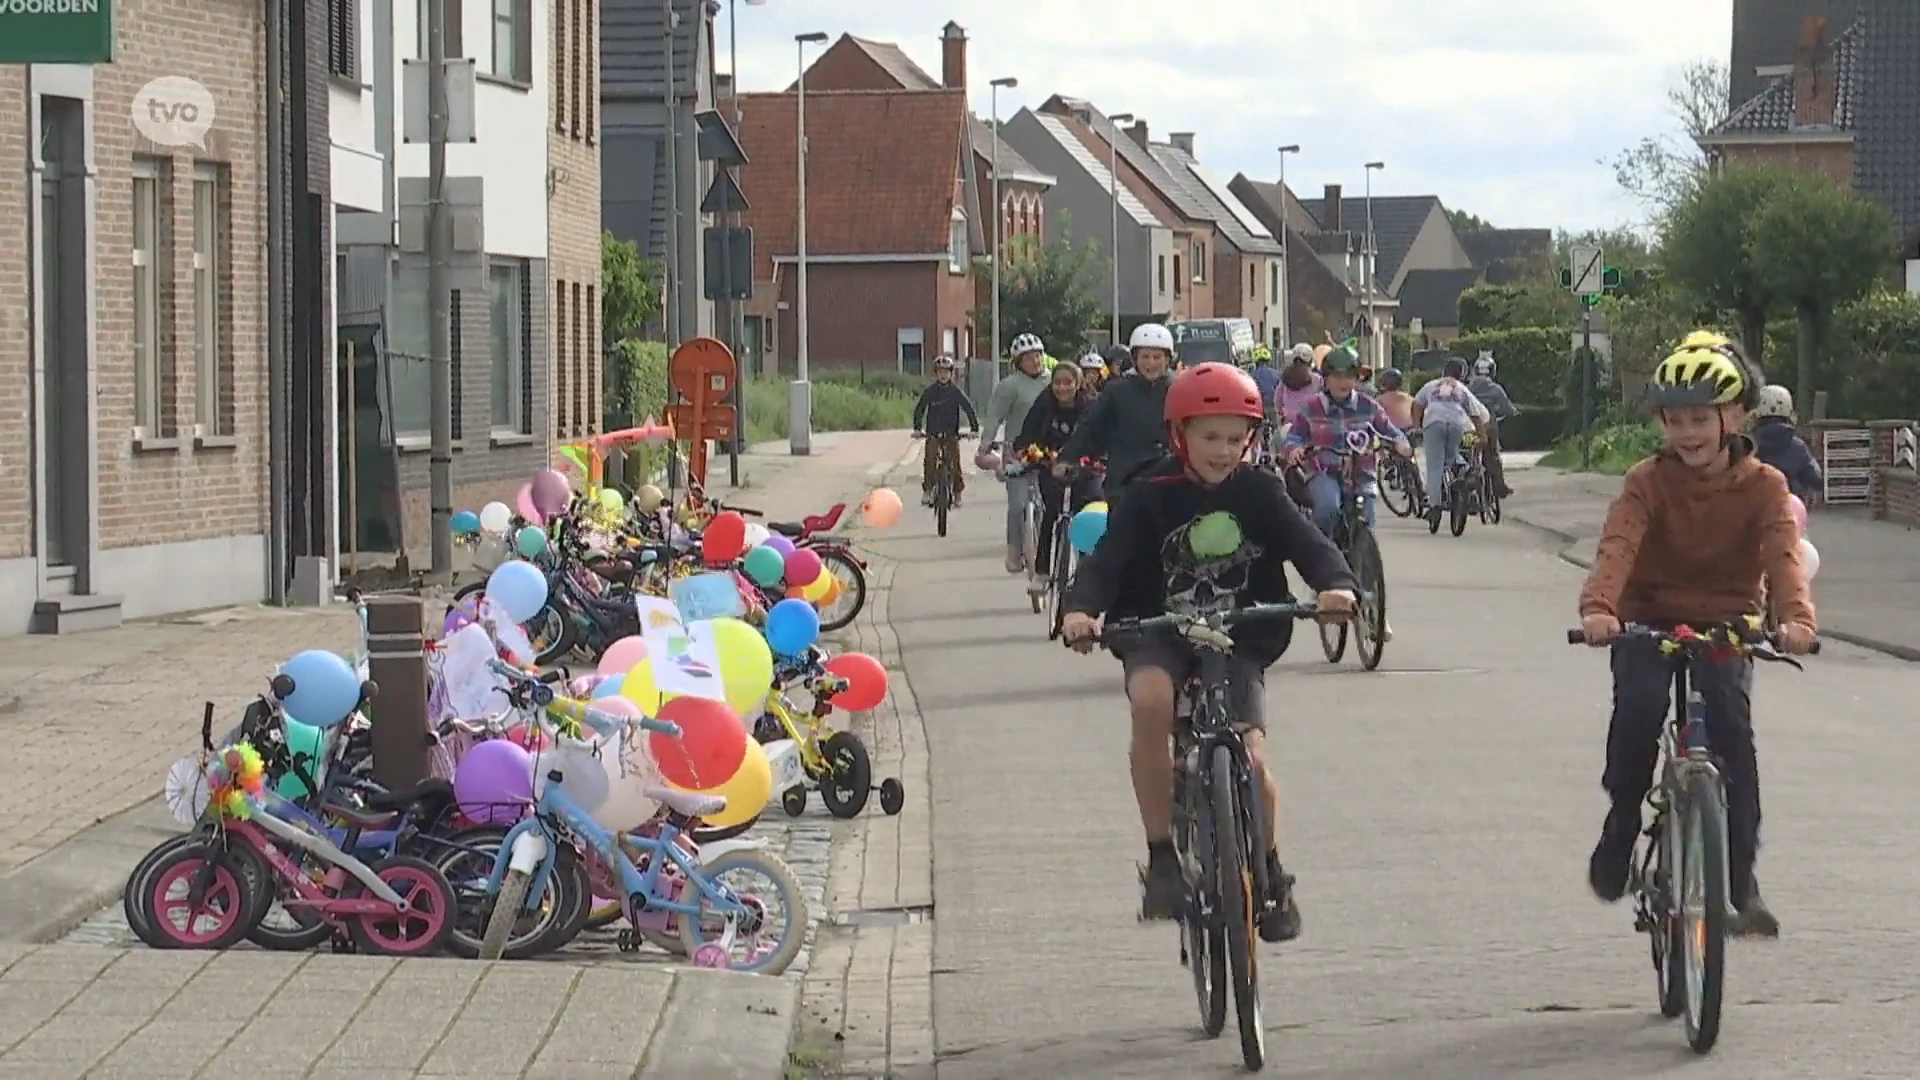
[{"x": 355, "y": 163}]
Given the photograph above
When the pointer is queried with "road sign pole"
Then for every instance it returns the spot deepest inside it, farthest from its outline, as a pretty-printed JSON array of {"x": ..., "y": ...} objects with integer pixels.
[{"x": 1586, "y": 387}]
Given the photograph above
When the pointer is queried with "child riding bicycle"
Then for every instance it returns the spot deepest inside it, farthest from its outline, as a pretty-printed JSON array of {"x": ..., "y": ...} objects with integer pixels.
[
  {"x": 1050, "y": 422},
  {"x": 1214, "y": 536},
  {"x": 937, "y": 415},
  {"x": 1687, "y": 541}
]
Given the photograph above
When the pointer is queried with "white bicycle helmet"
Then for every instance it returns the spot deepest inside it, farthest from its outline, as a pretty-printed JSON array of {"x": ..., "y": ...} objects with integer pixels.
[
  {"x": 1301, "y": 352},
  {"x": 1774, "y": 401},
  {"x": 1025, "y": 344},
  {"x": 1151, "y": 336},
  {"x": 1485, "y": 366}
]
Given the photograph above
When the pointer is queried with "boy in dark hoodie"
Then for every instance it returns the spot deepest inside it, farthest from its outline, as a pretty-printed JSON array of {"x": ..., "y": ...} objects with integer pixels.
[
  {"x": 1779, "y": 444},
  {"x": 937, "y": 416}
]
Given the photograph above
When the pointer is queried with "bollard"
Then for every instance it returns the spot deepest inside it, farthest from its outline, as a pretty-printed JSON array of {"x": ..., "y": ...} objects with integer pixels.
[{"x": 397, "y": 662}]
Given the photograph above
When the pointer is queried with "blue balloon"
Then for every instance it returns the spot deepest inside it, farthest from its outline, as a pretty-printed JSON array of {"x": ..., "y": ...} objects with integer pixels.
[
  {"x": 1086, "y": 529},
  {"x": 466, "y": 523},
  {"x": 518, "y": 589},
  {"x": 326, "y": 689},
  {"x": 792, "y": 625},
  {"x": 609, "y": 687}
]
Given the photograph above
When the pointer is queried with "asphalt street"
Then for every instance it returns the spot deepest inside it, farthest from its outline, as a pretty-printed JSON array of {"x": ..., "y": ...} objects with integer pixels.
[{"x": 1438, "y": 813}]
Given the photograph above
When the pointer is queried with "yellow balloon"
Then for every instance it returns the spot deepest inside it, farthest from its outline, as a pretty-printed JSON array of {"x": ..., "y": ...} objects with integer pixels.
[
  {"x": 746, "y": 665},
  {"x": 649, "y": 498},
  {"x": 639, "y": 687},
  {"x": 612, "y": 500},
  {"x": 815, "y": 591},
  {"x": 1100, "y": 506},
  {"x": 747, "y": 791}
]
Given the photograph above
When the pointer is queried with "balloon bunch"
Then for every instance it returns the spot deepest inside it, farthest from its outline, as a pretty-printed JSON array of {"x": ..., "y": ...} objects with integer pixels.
[
  {"x": 772, "y": 561},
  {"x": 236, "y": 776},
  {"x": 1809, "y": 555},
  {"x": 1087, "y": 527}
]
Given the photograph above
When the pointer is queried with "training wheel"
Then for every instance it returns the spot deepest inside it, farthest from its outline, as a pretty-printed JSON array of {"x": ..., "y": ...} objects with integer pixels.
[
  {"x": 794, "y": 801},
  {"x": 711, "y": 955},
  {"x": 893, "y": 797}
]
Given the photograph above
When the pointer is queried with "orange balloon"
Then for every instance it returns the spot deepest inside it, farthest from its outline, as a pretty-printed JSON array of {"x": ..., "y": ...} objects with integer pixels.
[
  {"x": 882, "y": 508},
  {"x": 834, "y": 589}
]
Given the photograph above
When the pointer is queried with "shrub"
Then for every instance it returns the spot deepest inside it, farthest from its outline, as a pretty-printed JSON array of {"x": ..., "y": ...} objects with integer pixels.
[
  {"x": 1535, "y": 428},
  {"x": 837, "y": 406},
  {"x": 1533, "y": 360},
  {"x": 640, "y": 383}
]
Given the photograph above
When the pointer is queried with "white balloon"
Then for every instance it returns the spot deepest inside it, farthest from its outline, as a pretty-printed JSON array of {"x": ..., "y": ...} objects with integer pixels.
[
  {"x": 490, "y": 552},
  {"x": 1809, "y": 557},
  {"x": 495, "y": 517},
  {"x": 630, "y": 773},
  {"x": 583, "y": 778},
  {"x": 757, "y": 534}
]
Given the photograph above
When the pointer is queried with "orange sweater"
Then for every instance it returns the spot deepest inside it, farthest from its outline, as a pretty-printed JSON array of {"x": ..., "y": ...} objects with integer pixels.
[{"x": 1682, "y": 546}]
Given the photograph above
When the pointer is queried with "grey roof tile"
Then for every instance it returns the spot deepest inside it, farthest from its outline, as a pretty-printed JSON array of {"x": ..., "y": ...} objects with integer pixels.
[
  {"x": 1887, "y": 116},
  {"x": 633, "y": 47},
  {"x": 1012, "y": 165},
  {"x": 1771, "y": 110},
  {"x": 1397, "y": 221},
  {"x": 1140, "y": 160},
  {"x": 1185, "y": 171},
  {"x": 1433, "y": 296}
]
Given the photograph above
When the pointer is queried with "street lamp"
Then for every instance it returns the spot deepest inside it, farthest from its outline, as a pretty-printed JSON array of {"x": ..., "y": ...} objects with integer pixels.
[
  {"x": 1113, "y": 201},
  {"x": 735, "y": 331},
  {"x": 1286, "y": 272},
  {"x": 1373, "y": 330},
  {"x": 800, "y": 401},
  {"x": 999, "y": 216}
]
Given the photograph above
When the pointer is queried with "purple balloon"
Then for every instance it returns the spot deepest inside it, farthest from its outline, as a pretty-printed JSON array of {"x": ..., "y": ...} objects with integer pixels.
[
  {"x": 780, "y": 544},
  {"x": 493, "y": 782}
]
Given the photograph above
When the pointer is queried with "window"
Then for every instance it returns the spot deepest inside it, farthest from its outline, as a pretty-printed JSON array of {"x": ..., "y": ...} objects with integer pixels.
[
  {"x": 949, "y": 342},
  {"x": 911, "y": 342},
  {"x": 409, "y": 367},
  {"x": 1178, "y": 279},
  {"x": 507, "y": 346},
  {"x": 562, "y": 403},
  {"x": 1253, "y": 282},
  {"x": 591, "y": 52},
  {"x": 589, "y": 363},
  {"x": 1198, "y": 256},
  {"x": 456, "y": 41},
  {"x": 562, "y": 62},
  {"x": 1273, "y": 282},
  {"x": 957, "y": 244},
  {"x": 148, "y": 264},
  {"x": 1160, "y": 273},
  {"x": 512, "y": 54},
  {"x": 343, "y": 38},
  {"x": 582, "y": 420},
  {"x": 575, "y": 66},
  {"x": 210, "y": 374}
]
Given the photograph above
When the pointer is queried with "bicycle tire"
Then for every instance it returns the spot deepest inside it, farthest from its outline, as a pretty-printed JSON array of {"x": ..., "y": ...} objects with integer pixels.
[
  {"x": 136, "y": 896},
  {"x": 853, "y": 582},
  {"x": 848, "y": 757},
  {"x": 1369, "y": 631},
  {"x": 1235, "y": 887},
  {"x": 1065, "y": 556},
  {"x": 1457, "y": 510},
  {"x": 1427, "y": 509},
  {"x": 1206, "y": 939},
  {"x": 1394, "y": 483},
  {"x": 228, "y": 876},
  {"x": 505, "y": 914},
  {"x": 563, "y": 642},
  {"x": 1702, "y": 807},
  {"x": 942, "y": 501},
  {"x": 783, "y": 879},
  {"x": 1666, "y": 940}
]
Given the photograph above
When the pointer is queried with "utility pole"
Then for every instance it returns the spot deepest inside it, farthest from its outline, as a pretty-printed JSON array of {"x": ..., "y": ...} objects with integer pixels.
[
  {"x": 999, "y": 215},
  {"x": 1286, "y": 271},
  {"x": 439, "y": 321},
  {"x": 675, "y": 331},
  {"x": 1113, "y": 206}
]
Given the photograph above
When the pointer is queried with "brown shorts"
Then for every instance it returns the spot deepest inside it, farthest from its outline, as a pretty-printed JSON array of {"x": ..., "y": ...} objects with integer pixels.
[{"x": 1246, "y": 680}]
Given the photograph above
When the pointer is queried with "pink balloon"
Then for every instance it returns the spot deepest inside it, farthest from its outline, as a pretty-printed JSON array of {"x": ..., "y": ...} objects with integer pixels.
[
  {"x": 523, "y": 502},
  {"x": 1799, "y": 508},
  {"x": 803, "y": 567},
  {"x": 583, "y": 686},
  {"x": 622, "y": 655},
  {"x": 551, "y": 494}
]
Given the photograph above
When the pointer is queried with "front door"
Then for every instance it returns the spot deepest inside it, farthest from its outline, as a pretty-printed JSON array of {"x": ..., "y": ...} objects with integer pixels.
[
  {"x": 64, "y": 406},
  {"x": 911, "y": 347}
]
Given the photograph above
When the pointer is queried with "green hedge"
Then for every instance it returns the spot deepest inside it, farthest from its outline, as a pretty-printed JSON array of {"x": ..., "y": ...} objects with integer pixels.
[
  {"x": 640, "y": 387},
  {"x": 837, "y": 406},
  {"x": 1533, "y": 360},
  {"x": 1535, "y": 428}
]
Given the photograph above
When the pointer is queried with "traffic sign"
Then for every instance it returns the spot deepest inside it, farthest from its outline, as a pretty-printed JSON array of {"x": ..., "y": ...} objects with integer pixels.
[{"x": 1586, "y": 270}]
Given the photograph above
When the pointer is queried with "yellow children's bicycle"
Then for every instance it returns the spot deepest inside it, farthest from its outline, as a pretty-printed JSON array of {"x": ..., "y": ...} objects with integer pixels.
[{"x": 833, "y": 762}]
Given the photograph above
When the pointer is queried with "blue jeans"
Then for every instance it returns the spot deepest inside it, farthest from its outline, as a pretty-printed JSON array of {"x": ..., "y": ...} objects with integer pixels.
[
  {"x": 1442, "y": 446},
  {"x": 1323, "y": 492},
  {"x": 1018, "y": 492}
]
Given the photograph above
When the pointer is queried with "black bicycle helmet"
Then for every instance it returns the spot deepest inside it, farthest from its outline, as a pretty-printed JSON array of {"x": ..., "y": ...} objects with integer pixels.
[
  {"x": 1389, "y": 379},
  {"x": 1119, "y": 359}
]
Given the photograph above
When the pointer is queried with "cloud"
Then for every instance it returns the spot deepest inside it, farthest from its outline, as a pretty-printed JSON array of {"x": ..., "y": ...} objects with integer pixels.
[{"x": 1506, "y": 108}]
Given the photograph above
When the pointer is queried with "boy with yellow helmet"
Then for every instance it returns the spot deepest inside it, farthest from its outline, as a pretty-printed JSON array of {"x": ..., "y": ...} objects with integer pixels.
[{"x": 1690, "y": 536}]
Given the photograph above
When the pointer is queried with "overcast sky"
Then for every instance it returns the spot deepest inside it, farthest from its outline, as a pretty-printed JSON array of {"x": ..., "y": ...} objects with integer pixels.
[{"x": 1504, "y": 108}]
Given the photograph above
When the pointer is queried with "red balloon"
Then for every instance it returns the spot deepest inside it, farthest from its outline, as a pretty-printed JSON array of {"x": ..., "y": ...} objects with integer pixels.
[
  {"x": 866, "y": 681},
  {"x": 803, "y": 567},
  {"x": 725, "y": 538},
  {"x": 710, "y": 748}
]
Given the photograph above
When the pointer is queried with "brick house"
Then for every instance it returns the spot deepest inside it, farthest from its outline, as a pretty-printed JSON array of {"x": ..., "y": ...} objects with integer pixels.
[
  {"x": 892, "y": 226},
  {"x": 1247, "y": 273},
  {"x": 1320, "y": 278}
]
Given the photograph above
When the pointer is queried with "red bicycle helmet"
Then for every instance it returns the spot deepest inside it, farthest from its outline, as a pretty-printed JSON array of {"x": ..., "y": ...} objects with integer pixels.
[{"x": 1211, "y": 390}]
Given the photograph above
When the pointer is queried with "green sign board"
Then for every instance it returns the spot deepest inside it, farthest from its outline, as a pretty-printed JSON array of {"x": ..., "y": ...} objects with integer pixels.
[{"x": 56, "y": 31}]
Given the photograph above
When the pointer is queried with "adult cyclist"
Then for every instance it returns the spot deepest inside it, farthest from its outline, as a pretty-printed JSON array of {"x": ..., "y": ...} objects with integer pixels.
[
  {"x": 1486, "y": 386},
  {"x": 1007, "y": 408},
  {"x": 1127, "y": 425}
]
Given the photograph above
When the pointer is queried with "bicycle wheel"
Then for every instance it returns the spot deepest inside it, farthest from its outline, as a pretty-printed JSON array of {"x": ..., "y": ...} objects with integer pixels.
[
  {"x": 1204, "y": 940},
  {"x": 552, "y": 634},
  {"x": 1395, "y": 492},
  {"x": 1665, "y": 939},
  {"x": 1065, "y": 559},
  {"x": 201, "y": 897},
  {"x": 1446, "y": 496},
  {"x": 136, "y": 896},
  {"x": 1369, "y": 630},
  {"x": 1235, "y": 882},
  {"x": 942, "y": 502},
  {"x": 1333, "y": 641},
  {"x": 1457, "y": 509},
  {"x": 849, "y": 786},
  {"x": 853, "y": 589},
  {"x": 1703, "y": 907},
  {"x": 767, "y": 935}
]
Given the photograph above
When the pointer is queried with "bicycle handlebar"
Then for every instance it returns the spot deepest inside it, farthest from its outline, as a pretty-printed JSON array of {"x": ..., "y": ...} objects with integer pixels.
[
  {"x": 542, "y": 695},
  {"x": 1210, "y": 629},
  {"x": 1741, "y": 638}
]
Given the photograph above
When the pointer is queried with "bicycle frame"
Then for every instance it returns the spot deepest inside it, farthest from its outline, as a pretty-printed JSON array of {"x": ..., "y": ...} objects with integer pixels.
[{"x": 250, "y": 831}]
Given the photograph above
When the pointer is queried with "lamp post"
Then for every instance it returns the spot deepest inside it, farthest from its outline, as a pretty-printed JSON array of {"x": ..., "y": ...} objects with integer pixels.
[
  {"x": 1373, "y": 331},
  {"x": 999, "y": 216},
  {"x": 1113, "y": 202},
  {"x": 735, "y": 331},
  {"x": 800, "y": 401},
  {"x": 1286, "y": 272}
]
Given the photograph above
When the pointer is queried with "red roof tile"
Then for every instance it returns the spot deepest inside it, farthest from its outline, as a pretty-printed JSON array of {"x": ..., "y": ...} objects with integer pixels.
[{"x": 881, "y": 169}]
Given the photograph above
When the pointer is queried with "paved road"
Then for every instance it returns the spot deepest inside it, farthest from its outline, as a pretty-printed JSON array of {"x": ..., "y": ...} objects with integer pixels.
[{"x": 1438, "y": 813}]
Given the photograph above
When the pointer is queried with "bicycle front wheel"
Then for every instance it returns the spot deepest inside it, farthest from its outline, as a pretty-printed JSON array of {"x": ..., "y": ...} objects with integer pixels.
[
  {"x": 1370, "y": 629},
  {"x": 1234, "y": 879},
  {"x": 1396, "y": 493},
  {"x": 1703, "y": 907}
]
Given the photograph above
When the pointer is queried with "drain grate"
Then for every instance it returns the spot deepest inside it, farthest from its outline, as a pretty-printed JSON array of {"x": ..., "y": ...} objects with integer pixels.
[{"x": 893, "y": 916}]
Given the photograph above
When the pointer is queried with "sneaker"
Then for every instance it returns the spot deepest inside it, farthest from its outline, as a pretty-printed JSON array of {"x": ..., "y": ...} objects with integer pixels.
[
  {"x": 1433, "y": 515},
  {"x": 1751, "y": 917},
  {"x": 1612, "y": 857},
  {"x": 1283, "y": 922},
  {"x": 926, "y": 498},
  {"x": 1386, "y": 632},
  {"x": 956, "y": 500},
  {"x": 1038, "y": 586},
  {"x": 1163, "y": 888},
  {"x": 1016, "y": 560}
]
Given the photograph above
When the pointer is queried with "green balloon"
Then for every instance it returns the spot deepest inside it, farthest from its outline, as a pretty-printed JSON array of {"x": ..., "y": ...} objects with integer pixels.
[
  {"x": 1215, "y": 536},
  {"x": 532, "y": 541},
  {"x": 765, "y": 565},
  {"x": 307, "y": 745}
]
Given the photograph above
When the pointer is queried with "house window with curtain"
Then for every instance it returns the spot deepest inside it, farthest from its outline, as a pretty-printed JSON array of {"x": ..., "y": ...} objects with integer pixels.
[
  {"x": 1198, "y": 257},
  {"x": 512, "y": 55},
  {"x": 343, "y": 39},
  {"x": 149, "y": 178},
  {"x": 210, "y": 364},
  {"x": 508, "y": 352},
  {"x": 957, "y": 244},
  {"x": 1273, "y": 283}
]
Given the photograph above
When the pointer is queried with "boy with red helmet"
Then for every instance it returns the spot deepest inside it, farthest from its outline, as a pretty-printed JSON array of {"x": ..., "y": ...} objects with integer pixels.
[{"x": 1163, "y": 552}]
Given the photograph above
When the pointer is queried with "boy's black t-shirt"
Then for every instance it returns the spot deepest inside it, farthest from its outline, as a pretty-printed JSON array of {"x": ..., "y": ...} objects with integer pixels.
[{"x": 1174, "y": 545}]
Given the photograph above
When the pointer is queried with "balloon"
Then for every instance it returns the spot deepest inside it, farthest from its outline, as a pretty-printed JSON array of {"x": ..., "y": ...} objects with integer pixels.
[
  {"x": 834, "y": 589},
  {"x": 494, "y": 781},
  {"x": 307, "y": 744},
  {"x": 326, "y": 689},
  {"x": 725, "y": 537},
  {"x": 815, "y": 592},
  {"x": 711, "y": 745},
  {"x": 746, "y": 665},
  {"x": 518, "y": 589},
  {"x": 1799, "y": 509},
  {"x": 609, "y": 687},
  {"x": 531, "y": 541},
  {"x": 1098, "y": 504},
  {"x": 792, "y": 625},
  {"x": 523, "y": 503},
  {"x": 882, "y": 508},
  {"x": 582, "y": 685},
  {"x": 803, "y": 567},
  {"x": 495, "y": 517},
  {"x": 757, "y": 534},
  {"x": 583, "y": 776},
  {"x": 611, "y": 500},
  {"x": 466, "y": 523},
  {"x": 781, "y": 544},
  {"x": 528, "y": 736},
  {"x": 649, "y": 498},
  {"x": 1809, "y": 557},
  {"x": 866, "y": 681},
  {"x": 623, "y": 654},
  {"x": 630, "y": 773},
  {"x": 550, "y": 493},
  {"x": 638, "y": 687},
  {"x": 746, "y": 792},
  {"x": 765, "y": 566},
  {"x": 1086, "y": 529}
]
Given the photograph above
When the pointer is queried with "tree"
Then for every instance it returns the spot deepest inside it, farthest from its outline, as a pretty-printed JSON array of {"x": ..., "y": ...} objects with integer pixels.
[
  {"x": 1705, "y": 251},
  {"x": 1817, "y": 247},
  {"x": 1464, "y": 222},
  {"x": 1660, "y": 170},
  {"x": 1510, "y": 307},
  {"x": 1050, "y": 289},
  {"x": 629, "y": 290}
]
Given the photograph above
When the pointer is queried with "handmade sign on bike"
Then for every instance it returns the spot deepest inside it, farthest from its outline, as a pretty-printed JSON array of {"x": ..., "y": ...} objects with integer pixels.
[
  {"x": 713, "y": 595},
  {"x": 701, "y": 373}
]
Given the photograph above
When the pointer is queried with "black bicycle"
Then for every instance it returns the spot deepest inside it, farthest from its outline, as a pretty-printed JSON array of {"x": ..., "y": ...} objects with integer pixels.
[
  {"x": 946, "y": 477},
  {"x": 1463, "y": 488},
  {"x": 1220, "y": 824},
  {"x": 1355, "y": 539},
  {"x": 1064, "y": 559},
  {"x": 1402, "y": 489},
  {"x": 1687, "y": 840}
]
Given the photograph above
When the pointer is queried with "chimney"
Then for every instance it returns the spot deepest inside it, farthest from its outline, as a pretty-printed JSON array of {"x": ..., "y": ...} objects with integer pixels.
[
  {"x": 1138, "y": 133},
  {"x": 953, "y": 57},
  {"x": 1183, "y": 140},
  {"x": 1813, "y": 77},
  {"x": 1331, "y": 215}
]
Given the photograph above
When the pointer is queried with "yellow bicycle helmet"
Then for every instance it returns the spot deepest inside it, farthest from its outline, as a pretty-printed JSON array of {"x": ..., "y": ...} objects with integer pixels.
[{"x": 1707, "y": 369}]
